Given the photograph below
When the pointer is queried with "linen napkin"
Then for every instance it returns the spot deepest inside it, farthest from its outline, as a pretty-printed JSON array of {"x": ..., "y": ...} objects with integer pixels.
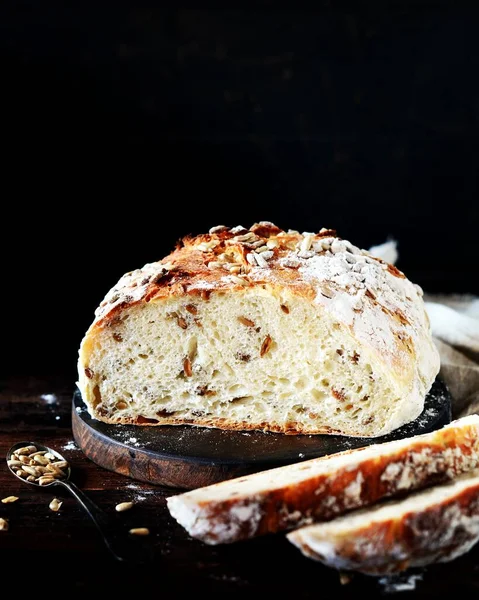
[{"x": 455, "y": 329}]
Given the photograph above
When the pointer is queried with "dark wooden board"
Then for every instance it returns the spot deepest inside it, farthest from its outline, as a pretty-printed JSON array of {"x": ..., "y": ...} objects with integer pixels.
[{"x": 190, "y": 457}]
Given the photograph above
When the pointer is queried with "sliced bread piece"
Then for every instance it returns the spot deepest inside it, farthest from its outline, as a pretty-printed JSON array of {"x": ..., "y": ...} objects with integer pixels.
[
  {"x": 321, "y": 488},
  {"x": 434, "y": 525}
]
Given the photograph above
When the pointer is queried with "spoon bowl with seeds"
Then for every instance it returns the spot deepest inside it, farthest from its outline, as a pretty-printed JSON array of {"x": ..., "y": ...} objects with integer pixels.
[{"x": 43, "y": 467}]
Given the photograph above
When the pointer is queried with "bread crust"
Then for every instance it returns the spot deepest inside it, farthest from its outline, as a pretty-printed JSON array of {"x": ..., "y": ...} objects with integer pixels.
[
  {"x": 388, "y": 319},
  {"x": 321, "y": 489},
  {"x": 440, "y": 529}
]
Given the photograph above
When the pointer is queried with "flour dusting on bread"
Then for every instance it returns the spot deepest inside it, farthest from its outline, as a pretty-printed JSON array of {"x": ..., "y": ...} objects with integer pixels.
[{"x": 264, "y": 329}]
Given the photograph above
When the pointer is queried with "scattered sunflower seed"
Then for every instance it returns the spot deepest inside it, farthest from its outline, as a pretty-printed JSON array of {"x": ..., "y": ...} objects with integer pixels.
[
  {"x": 3, "y": 524},
  {"x": 140, "y": 531},
  {"x": 55, "y": 505},
  {"x": 123, "y": 506},
  {"x": 9, "y": 499}
]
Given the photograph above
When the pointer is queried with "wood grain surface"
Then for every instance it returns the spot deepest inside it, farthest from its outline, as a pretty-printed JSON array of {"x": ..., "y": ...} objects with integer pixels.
[{"x": 43, "y": 549}]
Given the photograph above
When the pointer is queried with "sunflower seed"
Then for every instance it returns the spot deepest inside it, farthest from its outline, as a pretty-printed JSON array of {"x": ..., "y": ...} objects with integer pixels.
[
  {"x": 60, "y": 464},
  {"x": 3, "y": 524},
  {"x": 25, "y": 460},
  {"x": 41, "y": 460},
  {"x": 140, "y": 531},
  {"x": 261, "y": 261},
  {"x": 306, "y": 242},
  {"x": 53, "y": 471},
  {"x": 45, "y": 480},
  {"x": 30, "y": 478},
  {"x": 14, "y": 463},
  {"x": 25, "y": 450},
  {"x": 251, "y": 259},
  {"x": 266, "y": 345},
  {"x": 218, "y": 228},
  {"x": 21, "y": 473},
  {"x": 9, "y": 499},
  {"x": 49, "y": 456},
  {"x": 238, "y": 280},
  {"x": 123, "y": 506},
  {"x": 237, "y": 229},
  {"x": 31, "y": 470},
  {"x": 272, "y": 244},
  {"x": 55, "y": 505},
  {"x": 187, "y": 367}
]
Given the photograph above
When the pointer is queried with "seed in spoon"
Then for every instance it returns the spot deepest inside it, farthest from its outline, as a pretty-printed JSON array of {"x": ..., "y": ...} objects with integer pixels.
[
  {"x": 55, "y": 505},
  {"x": 44, "y": 480},
  {"x": 30, "y": 478},
  {"x": 123, "y": 506},
  {"x": 31, "y": 471},
  {"x": 25, "y": 450},
  {"x": 9, "y": 499},
  {"x": 3, "y": 524},
  {"x": 41, "y": 460}
]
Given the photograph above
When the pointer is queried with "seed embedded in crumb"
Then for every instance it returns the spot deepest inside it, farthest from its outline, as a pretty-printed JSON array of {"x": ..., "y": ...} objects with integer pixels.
[
  {"x": 187, "y": 367},
  {"x": 9, "y": 499},
  {"x": 3, "y": 524},
  {"x": 123, "y": 506},
  {"x": 140, "y": 531},
  {"x": 266, "y": 345},
  {"x": 182, "y": 323},
  {"x": 55, "y": 505},
  {"x": 246, "y": 322}
]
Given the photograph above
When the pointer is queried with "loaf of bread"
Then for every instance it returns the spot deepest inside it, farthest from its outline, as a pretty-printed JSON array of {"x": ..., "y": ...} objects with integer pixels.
[
  {"x": 261, "y": 329},
  {"x": 322, "y": 488},
  {"x": 434, "y": 525}
]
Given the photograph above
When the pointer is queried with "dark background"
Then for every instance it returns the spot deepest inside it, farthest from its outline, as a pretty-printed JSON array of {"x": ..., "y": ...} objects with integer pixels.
[{"x": 124, "y": 128}]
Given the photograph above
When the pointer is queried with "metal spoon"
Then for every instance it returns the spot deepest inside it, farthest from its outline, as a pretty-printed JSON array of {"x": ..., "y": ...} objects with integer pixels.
[{"x": 103, "y": 523}]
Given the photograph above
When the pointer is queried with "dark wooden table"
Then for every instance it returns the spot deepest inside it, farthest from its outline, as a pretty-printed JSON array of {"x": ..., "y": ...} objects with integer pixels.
[{"x": 43, "y": 548}]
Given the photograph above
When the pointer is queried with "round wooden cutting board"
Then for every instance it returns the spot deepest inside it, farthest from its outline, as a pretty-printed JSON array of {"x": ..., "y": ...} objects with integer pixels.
[{"x": 189, "y": 457}]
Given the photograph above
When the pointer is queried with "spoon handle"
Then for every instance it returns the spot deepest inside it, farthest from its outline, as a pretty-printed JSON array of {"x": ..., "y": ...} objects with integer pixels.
[{"x": 103, "y": 523}]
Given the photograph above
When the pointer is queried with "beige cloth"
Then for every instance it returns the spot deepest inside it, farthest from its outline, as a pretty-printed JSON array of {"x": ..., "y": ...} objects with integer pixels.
[{"x": 455, "y": 327}]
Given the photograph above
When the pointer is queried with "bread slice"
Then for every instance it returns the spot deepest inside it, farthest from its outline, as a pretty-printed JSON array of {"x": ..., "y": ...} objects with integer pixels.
[
  {"x": 435, "y": 525},
  {"x": 321, "y": 488},
  {"x": 261, "y": 329}
]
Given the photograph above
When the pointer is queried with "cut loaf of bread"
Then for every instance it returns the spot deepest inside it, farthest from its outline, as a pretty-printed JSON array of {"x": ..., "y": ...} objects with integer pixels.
[
  {"x": 261, "y": 329},
  {"x": 322, "y": 488},
  {"x": 435, "y": 525}
]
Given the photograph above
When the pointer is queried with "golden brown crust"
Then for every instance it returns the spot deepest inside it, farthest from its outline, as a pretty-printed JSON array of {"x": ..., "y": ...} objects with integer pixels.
[
  {"x": 424, "y": 460},
  {"x": 186, "y": 270}
]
